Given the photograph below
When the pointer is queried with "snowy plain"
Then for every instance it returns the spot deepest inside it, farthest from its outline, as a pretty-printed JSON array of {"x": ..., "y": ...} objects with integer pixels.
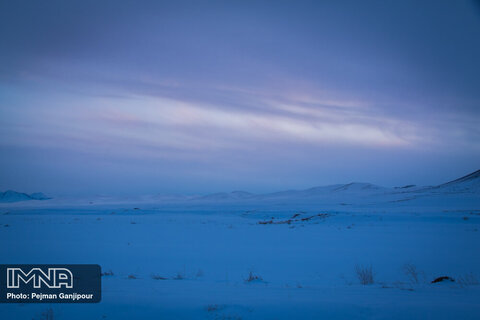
[{"x": 286, "y": 255}]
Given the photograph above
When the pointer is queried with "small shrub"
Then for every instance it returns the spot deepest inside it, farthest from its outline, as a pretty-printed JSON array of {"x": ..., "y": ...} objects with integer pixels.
[
  {"x": 48, "y": 314},
  {"x": 179, "y": 276},
  {"x": 364, "y": 274},
  {"x": 253, "y": 277},
  {"x": 411, "y": 272},
  {"x": 213, "y": 307},
  {"x": 468, "y": 279},
  {"x": 107, "y": 273}
]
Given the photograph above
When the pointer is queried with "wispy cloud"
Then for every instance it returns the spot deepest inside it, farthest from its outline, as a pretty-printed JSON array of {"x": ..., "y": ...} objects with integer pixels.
[
  {"x": 317, "y": 84},
  {"x": 184, "y": 125}
]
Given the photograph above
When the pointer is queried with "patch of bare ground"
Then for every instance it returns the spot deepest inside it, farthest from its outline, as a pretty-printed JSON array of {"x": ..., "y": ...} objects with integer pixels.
[{"x": 296, "y": 218}]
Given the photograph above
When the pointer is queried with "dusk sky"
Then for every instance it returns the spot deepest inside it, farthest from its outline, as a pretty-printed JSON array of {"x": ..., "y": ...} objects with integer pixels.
[{"x": 132, "y": 97}]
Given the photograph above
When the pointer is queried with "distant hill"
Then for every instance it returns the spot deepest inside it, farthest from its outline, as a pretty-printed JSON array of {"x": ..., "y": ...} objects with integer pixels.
[
  {"x": 336, "y": 191},
  {"x": 13, "y": 196},
  {"x": 468, "y": 183},
  {"x": 472, "y": 177},
  {"x": 235, "y": 195},
  {"x": 351, "y": 191}
]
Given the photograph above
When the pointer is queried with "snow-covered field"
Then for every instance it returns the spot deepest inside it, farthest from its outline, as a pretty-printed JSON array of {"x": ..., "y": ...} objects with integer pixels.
[{"x": 289, "y": 255}]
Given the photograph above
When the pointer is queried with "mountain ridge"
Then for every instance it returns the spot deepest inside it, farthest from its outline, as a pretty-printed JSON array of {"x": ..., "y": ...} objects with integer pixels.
[
  {"x": 469, "y": 182},
  {"x": 14, "y": 196}
]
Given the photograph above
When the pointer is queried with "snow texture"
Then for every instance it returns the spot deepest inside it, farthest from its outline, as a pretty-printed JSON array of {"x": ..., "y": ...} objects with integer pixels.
[{"x": 287, "y": 255}]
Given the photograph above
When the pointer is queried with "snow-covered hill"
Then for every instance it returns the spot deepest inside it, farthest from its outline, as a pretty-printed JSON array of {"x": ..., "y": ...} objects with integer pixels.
[
  {"x": 235, "y": 195},
  {"x": 13, "y": 196},
  {"x": 355, "y": 191},
  {"x": 464, "y": 190},
  {"x": 467, "y": 184},
  {"x": 286, "y": 255}
]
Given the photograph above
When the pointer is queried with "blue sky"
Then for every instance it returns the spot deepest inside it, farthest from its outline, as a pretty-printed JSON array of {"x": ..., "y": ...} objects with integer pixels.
[{"x": 194, "y": 97}]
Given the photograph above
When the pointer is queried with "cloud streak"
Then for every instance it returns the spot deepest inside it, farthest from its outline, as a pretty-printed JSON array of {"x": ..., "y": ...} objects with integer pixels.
[{"x": 254, "y": 94}]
